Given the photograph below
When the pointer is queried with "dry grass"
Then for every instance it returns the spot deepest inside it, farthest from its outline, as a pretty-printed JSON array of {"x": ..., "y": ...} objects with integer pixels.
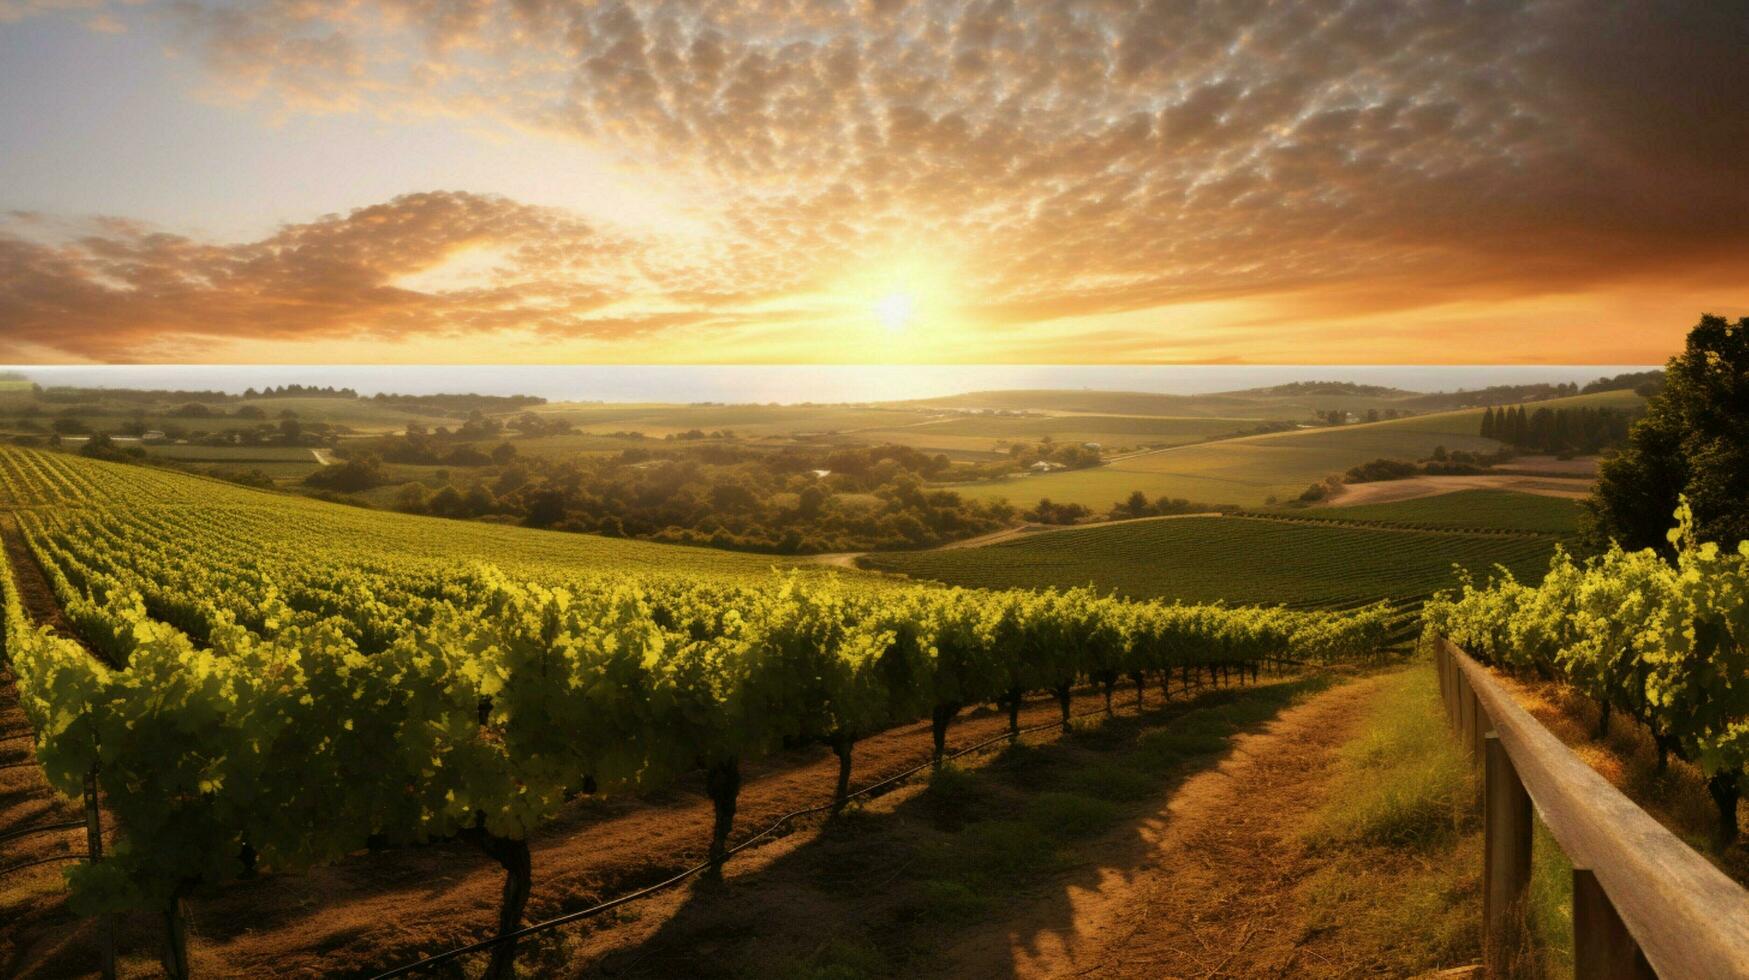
[{"x": 1399, "y": 880}]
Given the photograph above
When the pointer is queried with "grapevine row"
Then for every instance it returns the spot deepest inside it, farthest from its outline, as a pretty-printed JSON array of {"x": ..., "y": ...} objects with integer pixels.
[
  {"x": 1667, "y": 644},
  {"x": 278, "y": 695}
]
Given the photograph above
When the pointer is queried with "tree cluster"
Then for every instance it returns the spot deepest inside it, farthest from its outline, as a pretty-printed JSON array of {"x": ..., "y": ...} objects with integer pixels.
[
  {"x": 1557, "y": 430},
  {"x": 1138, "y": 505},
  {"x": 300, "y": 391},
  {"x": 1645, "y": 383},
  {"x": 799, "y": 500},
  {"x": 1693, "y": 442}
]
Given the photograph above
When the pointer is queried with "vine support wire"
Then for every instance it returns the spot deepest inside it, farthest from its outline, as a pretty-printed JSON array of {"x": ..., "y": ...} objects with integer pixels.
[{"x": 569, "y": 917}]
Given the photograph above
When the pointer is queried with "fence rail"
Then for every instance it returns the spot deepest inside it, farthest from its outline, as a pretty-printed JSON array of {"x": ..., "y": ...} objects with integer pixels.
[{"x": 1644, "y": 902}]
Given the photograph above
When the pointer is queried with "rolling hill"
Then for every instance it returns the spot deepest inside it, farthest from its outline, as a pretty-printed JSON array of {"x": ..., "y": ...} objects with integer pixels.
[
  {"x": 1250, "y": 470},
  {"x": 1241, "y": 560}
]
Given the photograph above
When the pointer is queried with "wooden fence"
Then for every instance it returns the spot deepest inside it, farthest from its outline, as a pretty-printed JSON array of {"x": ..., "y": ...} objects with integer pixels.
[{"x": 1644, "y": 903}]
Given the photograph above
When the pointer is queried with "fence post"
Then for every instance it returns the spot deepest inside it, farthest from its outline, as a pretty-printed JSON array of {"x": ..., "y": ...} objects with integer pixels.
[
  {"x": 1443, "y": 662},
  {"x": 1467, "y": 730},
  {"x": 1506, "y": 876},
  {"x": 1452, "y": 670},
  {"x": 1602, "y": 946},
  {"x": 94, "y": 844},
  {"x": 1453, "y": 690},
  {"x": 1484, "y": 726}
]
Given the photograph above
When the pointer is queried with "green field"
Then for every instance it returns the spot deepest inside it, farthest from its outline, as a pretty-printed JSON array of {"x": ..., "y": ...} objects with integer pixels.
[
  {"x": 1251, "y": 470},
  {"x": 745, "y": 420},
  {"x": 982, "y": 433},
  {"x": 232, "y": 454},
  {"x": 1263, "y": 403},
  {"x": 362, "y": 414},
  {"x": 1237, "y": 559},
  {"x": 1502, "y": 510}
]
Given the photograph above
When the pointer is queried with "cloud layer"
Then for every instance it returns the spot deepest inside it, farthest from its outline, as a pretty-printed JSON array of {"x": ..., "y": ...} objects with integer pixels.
[{"x": 1068, "y": 160}]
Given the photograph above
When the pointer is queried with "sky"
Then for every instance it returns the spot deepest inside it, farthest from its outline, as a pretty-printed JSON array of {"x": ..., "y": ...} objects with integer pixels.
[{"x": 870, "y": 181}]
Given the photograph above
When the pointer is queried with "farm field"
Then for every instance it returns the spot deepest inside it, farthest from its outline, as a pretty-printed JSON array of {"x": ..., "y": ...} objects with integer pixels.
[
  {"x": 361, "y": 415},
  {"x": 1264, "y": 403},
  {"x": 1239, "y": 560},
  {"x": 983, "y": 433},
  {"x": 744, "y": 420},
  {"x": 1503, "y": 510},
  {"x": 1248, "y": 471}
]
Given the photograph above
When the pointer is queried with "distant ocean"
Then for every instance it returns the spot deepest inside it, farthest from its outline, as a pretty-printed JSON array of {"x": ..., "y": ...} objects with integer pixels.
[{"x": 792, "y": 384}]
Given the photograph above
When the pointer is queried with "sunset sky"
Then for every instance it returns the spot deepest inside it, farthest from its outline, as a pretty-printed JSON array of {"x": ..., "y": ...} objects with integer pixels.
[{"x": 1109, "y": 181}]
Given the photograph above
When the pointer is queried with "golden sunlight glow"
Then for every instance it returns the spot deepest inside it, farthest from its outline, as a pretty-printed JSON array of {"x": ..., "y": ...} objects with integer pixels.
[{"x": 896, "y": 310}]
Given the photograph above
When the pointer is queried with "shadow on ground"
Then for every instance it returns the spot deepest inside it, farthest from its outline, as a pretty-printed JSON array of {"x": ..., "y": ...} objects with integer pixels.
[{"x": 884, "y": 889}]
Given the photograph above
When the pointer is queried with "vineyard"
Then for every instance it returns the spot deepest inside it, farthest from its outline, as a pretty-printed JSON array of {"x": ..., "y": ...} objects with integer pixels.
[
  {"x": 269, "y": 684},
  {"x": 1666, "y": 645},
  {"x": 1234, "y": 559},
  {"x": 1462, "y": 510}
]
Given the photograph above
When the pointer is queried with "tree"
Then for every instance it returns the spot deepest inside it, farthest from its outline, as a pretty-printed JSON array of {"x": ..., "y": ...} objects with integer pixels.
[
  {"x": 1693, "y": 440},
  {"x": 360, "y": 473},
  {"x": 1137, "y": 505}
]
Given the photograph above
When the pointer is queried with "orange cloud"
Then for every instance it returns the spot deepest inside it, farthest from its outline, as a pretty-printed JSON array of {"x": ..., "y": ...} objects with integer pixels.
[{"x": 1299, "y": 165}]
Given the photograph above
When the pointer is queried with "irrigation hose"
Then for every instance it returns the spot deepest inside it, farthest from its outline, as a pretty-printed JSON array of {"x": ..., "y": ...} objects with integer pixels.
[
  {"x": 595, "y": 910},
  {"x": 48, "y": 860},
  {"x": 26, "y": 832}
]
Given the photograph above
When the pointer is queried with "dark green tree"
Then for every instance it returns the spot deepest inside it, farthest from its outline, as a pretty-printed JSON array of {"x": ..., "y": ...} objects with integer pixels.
[{"x": 1693, "y": 440}]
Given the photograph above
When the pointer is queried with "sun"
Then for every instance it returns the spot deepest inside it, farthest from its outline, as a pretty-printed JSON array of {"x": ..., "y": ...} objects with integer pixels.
[{"x": 896, "y": 310}]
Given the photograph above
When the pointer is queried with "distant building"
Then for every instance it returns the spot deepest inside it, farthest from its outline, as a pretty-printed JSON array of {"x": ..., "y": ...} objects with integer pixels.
[
  {"x": 1045, "y": 466},
  {"x": 821, "y": 474},
  {"x": 1090, "y": 445}
]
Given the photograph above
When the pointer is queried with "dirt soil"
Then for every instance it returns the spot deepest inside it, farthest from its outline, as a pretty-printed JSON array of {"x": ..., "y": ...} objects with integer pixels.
[
  {"x": 1214, "y": 896},
  {"x": 34, "y": 590},
  {"x": 31, "y": 901}
]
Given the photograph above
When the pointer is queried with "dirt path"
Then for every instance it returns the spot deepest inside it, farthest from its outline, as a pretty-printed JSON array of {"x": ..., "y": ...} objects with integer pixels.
[
  {"x": 1215, "y": 896},
  {"x": 33, "y": 588},
  {"x": 37, "y": 923}
]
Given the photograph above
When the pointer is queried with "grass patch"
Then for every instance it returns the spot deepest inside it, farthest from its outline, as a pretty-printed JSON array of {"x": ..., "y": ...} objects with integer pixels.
[
  {"x": 956, "y": 795},
  {"x": 1403, "y": 781},
  {"x": 948, "y": 902},
  {"x": 1550, "y": 905},
  {"x": 1115, "y": 781},
  {"x": 1398, "y": 839},
  {"x": 995, "y": 849},
  {"x": 1071, "y": 815},
  {"x": 837, "y": 959}
]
